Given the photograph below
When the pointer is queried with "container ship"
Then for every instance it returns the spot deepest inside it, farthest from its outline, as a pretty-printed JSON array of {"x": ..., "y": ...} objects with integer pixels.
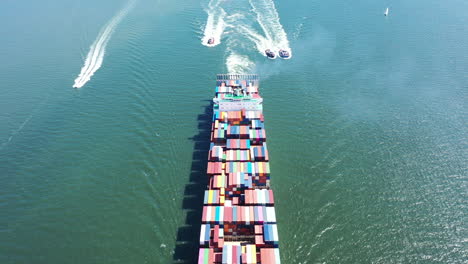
[{"x": 239, "y": 219}]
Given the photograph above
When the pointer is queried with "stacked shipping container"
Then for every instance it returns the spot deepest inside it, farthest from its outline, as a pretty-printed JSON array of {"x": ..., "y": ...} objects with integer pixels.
[{"x": 239, "y": 220}]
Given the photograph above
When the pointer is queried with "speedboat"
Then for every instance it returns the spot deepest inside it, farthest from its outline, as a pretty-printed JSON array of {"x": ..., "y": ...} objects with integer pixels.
[
  {"x": 284, "y": 54},
  {"x": 270, "y": 54},
  {"x": 386, "y": 12},
  {"x": 210, "y": 41}
]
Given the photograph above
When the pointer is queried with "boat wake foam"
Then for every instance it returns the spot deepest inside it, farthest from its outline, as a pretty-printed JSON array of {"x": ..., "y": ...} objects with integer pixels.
[
  {"x": 252, "y": 22},
  {"x": 97, "y": 50},
  {"x": 267, "y": 17},
  {"x": 215, "y": 23},
  {"x": 261, "y": 43},
  {"x": 239, "y": 64}
]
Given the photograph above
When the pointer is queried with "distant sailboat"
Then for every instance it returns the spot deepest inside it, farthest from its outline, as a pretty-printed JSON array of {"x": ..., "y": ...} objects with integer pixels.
[{"x": 386, "y": 12}]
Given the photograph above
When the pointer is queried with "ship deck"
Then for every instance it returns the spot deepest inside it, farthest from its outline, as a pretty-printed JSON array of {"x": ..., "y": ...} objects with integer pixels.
[{"x": 239, "y": 218}]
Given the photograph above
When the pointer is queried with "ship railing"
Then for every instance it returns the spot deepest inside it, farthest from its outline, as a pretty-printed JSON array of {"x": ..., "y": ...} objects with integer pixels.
[{"x": 227, "y": 77}]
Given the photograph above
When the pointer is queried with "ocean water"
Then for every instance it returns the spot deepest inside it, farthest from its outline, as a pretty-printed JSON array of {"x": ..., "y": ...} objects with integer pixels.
[{"x": 367, "y": 126}]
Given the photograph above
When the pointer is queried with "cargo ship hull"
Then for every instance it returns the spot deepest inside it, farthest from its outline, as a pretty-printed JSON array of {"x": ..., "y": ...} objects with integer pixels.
[{"x": 238, "y": 219}]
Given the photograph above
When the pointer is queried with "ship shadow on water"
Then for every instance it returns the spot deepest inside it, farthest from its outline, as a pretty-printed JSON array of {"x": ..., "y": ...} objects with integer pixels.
[{"x": 186, "y": 249}]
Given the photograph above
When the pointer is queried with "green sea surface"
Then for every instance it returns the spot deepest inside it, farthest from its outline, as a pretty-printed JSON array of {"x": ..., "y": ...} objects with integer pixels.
[{"x": 366, "y": 124}]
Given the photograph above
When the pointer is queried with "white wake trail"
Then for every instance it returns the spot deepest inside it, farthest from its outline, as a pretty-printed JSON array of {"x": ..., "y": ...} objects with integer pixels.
[
  {"x": 215, "y": 23},
  {"x": 260, "y": 41},
  {"x": 268, "y": 18},
  {"x": 239, "y": 64},
  {"x": 97, "y": 50}
]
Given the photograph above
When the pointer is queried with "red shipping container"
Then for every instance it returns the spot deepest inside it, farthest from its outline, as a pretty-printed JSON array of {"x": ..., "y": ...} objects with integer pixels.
[
  {"x": 228, "y": 214},
  {"x": 218, "y": 257},
  {"x": 216, "y": 234}
]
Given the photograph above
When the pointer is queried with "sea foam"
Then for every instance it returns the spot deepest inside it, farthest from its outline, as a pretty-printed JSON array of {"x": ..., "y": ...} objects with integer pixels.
[{"x": 97, "y": 50}]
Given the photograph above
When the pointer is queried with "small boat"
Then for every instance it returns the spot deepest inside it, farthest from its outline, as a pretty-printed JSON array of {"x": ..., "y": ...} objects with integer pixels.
[
  {"x": 386, "y": 12},
  {"x": 284, "y": 54},
  {"x": 210, "y": 41},
  {"x": 270, "y": 54}
]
